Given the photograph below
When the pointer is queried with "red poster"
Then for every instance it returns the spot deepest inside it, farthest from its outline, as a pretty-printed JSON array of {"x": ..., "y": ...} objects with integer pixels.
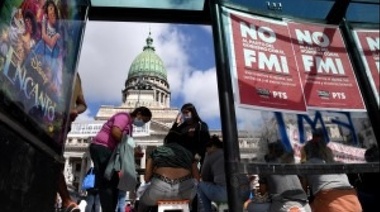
[
  {"x": 369, "y": 44},
  {"x": 267, "y": 75},
  {"x": 325, "y": 69}
]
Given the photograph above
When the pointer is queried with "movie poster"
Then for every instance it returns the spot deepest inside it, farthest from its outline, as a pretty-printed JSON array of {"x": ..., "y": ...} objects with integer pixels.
[
  {"x": 264, "y": 62},
  {"x": 39, "y": 44},
  {"x": 325, "y": 68},
  {"x": 369, "y": 46}
]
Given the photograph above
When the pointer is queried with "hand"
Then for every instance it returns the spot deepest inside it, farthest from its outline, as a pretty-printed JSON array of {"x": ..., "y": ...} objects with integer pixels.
[
  {"x": 73, "y": 115},
  {"x": 179, "y": 118}
]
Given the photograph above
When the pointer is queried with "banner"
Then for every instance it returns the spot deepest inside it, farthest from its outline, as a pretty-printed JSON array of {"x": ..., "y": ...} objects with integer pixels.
[
  {"x": 39, "y": 43},
  {"x": 264, "y": 63},
  {"x": 326, "y": 72},
  {"x": 369, "y": 46}
]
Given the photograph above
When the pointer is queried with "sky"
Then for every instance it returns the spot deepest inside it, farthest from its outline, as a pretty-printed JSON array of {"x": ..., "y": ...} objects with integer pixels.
[{"x": 187, "y": 51}]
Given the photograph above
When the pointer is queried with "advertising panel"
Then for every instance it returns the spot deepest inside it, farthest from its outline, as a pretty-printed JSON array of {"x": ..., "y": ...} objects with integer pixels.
[
  {"x": 368, "y": 43},
  {"x": 264, "y": 62},
  {"x": 39, "y": 45},
  {"x": 325, "y": 69}
]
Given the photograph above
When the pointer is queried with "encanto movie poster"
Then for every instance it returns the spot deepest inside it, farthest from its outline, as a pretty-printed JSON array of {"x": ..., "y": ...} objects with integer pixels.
[{"x": 39, "y": 46}]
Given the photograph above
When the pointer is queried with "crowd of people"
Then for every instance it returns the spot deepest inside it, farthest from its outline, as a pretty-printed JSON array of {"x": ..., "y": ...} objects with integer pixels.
[{"x": 190, "y": 165}]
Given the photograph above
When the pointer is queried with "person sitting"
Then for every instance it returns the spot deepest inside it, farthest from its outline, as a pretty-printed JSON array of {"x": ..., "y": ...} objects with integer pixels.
[
  {"x": 212, "y": 186},
  {"x": 366, "y": 185},
  {"x": 172, "y": 173},
  {"x": 331, "y": 192},
  {"x": 285, "y": 191},
  {"x": 259, "y": 201}
]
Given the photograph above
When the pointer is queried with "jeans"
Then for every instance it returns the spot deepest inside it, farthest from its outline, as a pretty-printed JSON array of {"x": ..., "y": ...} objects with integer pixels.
[
  {"x": 93, "y": 202},
  {"x": 161, "y": 190},
  {"x": 121, "y": 201},
  {"x": 208, "y": 192}
]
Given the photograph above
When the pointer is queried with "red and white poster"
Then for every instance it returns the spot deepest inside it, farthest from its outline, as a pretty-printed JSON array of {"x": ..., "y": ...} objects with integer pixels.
[
  {"x": 326, "y": 72},
  {"x": 266, "y": 71},
  {"x": 369, "y": 46}
]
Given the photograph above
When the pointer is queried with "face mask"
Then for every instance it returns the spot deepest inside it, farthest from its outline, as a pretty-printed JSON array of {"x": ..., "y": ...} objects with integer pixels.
[
  {"x": 138, "y": 122},
  {"x": 186, "y": 116}
]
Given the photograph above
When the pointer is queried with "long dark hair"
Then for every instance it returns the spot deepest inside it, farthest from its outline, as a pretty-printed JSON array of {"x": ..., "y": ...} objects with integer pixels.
[{"x": 194, "y": 114}]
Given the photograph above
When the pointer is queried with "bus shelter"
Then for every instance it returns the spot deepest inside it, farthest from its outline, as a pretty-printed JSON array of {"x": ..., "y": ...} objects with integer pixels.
[{"x": 284, "y": 69}]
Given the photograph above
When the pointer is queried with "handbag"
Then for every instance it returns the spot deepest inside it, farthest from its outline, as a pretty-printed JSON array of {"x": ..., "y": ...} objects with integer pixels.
[{"x": 89, "y": 180}]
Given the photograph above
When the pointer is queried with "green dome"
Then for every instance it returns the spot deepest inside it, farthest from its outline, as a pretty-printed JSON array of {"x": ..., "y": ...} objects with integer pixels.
[{"x": 148, "y": 63}]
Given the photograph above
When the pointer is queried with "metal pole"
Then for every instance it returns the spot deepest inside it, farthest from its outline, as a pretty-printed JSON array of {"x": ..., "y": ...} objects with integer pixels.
[
  {"x": 364, "y": 84},
  {"x": 227, "y": 110}
]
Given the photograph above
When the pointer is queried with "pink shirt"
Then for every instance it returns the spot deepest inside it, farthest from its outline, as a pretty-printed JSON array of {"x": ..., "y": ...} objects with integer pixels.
[{"x": 121, "y": 120}]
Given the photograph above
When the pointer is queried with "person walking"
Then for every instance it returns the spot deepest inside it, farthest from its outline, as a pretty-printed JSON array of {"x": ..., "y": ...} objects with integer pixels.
[{"x": 102, "y": 147}]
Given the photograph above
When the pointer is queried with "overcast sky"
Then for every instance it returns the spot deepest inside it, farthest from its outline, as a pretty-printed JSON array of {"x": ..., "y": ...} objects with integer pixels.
[{"x": 187, "y": 51}]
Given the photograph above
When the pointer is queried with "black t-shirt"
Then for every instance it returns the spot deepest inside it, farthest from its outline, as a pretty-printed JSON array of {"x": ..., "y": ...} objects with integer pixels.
[{"x": 193, "y": 137}]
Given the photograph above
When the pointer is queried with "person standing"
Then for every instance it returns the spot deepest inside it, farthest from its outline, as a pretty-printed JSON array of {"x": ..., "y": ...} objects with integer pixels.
[
  {"x": 92, "y": 198},
  {"x": 78, "y": 106},
  {"x": 102, "y": 147},
  {"x": 212, "y": 186},
  {"x": 194, "y": 132}
]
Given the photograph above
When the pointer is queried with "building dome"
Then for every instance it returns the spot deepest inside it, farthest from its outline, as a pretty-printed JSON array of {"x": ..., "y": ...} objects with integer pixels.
[{"x": 148, "y": 63}]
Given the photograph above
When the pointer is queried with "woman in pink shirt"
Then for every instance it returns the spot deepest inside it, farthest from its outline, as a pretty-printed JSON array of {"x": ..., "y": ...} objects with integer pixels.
[{"x": 103, "y": 145}]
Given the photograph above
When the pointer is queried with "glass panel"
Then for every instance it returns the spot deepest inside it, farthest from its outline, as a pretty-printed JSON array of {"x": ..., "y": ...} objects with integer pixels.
[
  {"x": 363, "y": 13},
  {"x": 156, "y": 4},
  {"x": 297, "y": 8},
  {"x": 266, "y": 61},
  {"x": 38, "y": 55},
  {"x": 312, "y": 9}
]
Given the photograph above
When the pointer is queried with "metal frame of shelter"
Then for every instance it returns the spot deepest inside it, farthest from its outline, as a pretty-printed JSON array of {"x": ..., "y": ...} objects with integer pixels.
[{"x": 211, "y": 15}]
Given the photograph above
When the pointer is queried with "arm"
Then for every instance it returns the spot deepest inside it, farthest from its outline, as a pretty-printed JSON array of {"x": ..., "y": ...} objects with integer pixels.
[
  {"x": 204, "y": 137},
  {"x": 116, "y": 133},
  {"x": 195, "y": 171},
  {"x": 148, "y": 170},
  {"x": 80, "y": 103},
  {"x": 304, "y": 183}
]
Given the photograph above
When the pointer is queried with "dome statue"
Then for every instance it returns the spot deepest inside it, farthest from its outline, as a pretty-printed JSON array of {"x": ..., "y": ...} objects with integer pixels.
[
  {"x": 147, "y": 83},
  {"x": 148, "y": 63}
]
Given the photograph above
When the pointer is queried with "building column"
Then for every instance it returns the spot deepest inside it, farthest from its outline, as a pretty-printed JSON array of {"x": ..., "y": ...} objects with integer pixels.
[
  {"x": 67, "y": 171},
  {"x": 143, "y": 162}
]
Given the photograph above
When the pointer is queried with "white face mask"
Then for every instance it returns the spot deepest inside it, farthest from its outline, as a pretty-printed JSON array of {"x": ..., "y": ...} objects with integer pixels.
[
  {"x": 138, "y": 122},
  {"x": 186, "y": 116}
]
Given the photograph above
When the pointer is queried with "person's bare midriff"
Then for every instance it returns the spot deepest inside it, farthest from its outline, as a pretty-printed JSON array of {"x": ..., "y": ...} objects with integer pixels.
[{"x": 172, "y": 173}]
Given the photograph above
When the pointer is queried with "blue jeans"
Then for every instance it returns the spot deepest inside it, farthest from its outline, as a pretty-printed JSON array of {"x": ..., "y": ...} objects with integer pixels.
[
  {"x": 93, "y": 202},
  {"x": 208, "y": 192},
  {"x": 161, "y": 190},
  {"x": 121, "y": 201}
]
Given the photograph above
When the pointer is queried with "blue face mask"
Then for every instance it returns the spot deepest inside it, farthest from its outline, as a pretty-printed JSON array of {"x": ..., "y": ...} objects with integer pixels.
[{"x": 138, "y": 122}]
